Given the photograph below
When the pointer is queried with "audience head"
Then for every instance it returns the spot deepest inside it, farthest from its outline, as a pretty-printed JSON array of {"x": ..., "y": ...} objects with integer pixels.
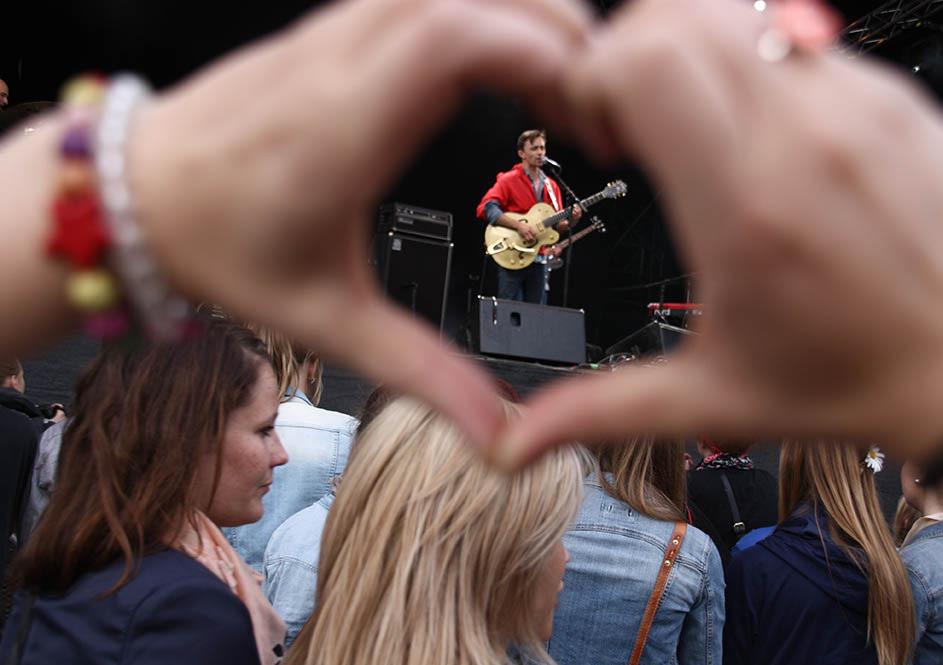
[
  {"x": 707, "y": 447},
  {"x": 294, "y": 367},
  {"x": 12, "y": 375},
  {"x": 831, "y": 478},
  {"x": 925, "y": 499},
  {"x": 432, "y": 556},
  {"x": 159, "y": 433},
  {"x": 648, "y": 474},
  {"x": 4, "y": 94}
]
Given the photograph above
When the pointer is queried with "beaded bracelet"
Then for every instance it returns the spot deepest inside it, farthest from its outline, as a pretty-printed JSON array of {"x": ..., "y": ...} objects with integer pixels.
[{"x": 95, "y": 224}]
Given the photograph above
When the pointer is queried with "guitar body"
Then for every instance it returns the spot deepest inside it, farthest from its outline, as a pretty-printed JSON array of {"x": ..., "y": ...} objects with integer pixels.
[{"x": 507, "y": 247}]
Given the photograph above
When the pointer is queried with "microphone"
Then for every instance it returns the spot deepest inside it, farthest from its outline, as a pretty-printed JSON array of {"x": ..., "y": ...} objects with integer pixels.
[{"x": 552, "y": 162}]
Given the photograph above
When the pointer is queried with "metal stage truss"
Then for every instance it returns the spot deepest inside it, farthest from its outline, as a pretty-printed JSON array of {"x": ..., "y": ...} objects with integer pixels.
[{"x": 890, "y": 19}]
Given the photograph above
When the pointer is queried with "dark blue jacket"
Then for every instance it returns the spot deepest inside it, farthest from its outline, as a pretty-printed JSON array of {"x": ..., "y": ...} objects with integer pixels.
[
  {"x": 796, "y": 598},
  {"x": 173, "y": 612}
]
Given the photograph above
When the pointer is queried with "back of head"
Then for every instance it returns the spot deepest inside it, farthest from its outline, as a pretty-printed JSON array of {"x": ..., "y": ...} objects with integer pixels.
[
  {"x": 430, "y": 555},
  {"x": 646, "y": 473},
  {"x": 832, "y": 478},
  {"x": 144, "y": 418},
  {"x": 289, "y": 362}
]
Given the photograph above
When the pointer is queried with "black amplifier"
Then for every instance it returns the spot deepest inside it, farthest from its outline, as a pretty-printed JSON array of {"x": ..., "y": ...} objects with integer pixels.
[{"x": 405, "y": 218}]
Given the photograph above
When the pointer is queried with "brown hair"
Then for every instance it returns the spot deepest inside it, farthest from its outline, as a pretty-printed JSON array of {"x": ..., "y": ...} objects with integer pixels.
[
  {"x": 904, "y": 519},
  {"x": 9, "y": 367},
  {"x": 530, "y": 135},
  {"x": 830, "y": 476},
  {"x": 126, "y": 477},
  {"x": 648, "y": 474}
]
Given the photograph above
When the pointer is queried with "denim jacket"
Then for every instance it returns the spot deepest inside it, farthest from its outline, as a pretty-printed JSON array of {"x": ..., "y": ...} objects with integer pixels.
[
  {"x": 291, "y": 565},
  {"x": 615, "y": 556},
  {"x": 922, "y": 557},
  {"x": 317, "y": 442}
]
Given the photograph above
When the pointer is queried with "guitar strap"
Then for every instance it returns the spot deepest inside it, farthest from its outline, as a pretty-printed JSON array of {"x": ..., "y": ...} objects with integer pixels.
[{"x": 548, "y": 183}]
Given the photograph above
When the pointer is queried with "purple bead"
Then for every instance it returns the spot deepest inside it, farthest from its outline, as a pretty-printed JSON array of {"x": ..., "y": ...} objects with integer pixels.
[{"x": 76, "y": 142}]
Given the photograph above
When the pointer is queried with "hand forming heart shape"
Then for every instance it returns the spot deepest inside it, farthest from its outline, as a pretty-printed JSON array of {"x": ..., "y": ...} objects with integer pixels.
[{"x": 804, "y": 193}]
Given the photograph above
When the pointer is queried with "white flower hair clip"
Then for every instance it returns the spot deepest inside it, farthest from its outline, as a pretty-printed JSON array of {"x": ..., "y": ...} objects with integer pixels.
[{"x": 874, "y": 459}]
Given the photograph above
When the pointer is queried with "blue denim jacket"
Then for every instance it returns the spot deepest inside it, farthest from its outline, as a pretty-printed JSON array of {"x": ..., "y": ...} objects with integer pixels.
[
  {"x": 317, "y": 442},
  {"x": 291, "y": 565},
  {"x": 923, "y": 556},
  {"x": 615, "y": 556}
]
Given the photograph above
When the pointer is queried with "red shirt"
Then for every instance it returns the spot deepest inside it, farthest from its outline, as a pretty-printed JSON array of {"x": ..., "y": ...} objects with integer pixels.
[{"x": 514, "y": 192}]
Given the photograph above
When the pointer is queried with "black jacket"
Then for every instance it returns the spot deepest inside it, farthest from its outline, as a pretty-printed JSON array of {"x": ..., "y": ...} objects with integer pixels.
[
  {"x": 796, "y": 598},
  {"x": 21, "y": 425},
  {"x": 756, "y": 493}
]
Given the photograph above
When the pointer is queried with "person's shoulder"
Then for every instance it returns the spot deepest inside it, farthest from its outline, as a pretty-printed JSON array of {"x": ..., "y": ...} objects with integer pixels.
[
  {"x": 167, "y": 571},
  {"x": 923, "y": 555},
  {"x": 299, "y": 536},
  {"x": 302, "y": 414}
]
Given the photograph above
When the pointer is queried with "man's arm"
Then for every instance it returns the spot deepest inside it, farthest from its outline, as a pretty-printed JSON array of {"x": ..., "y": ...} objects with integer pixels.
[{"x": 497, "y": 217}]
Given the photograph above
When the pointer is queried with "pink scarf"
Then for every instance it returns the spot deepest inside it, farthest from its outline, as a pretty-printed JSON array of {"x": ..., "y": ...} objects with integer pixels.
[{"x": 207, "y": 545}]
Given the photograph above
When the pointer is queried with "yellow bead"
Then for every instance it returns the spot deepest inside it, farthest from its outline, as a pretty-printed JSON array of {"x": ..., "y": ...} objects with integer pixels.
[
  {"x": 83, "y": 91},
  {"x": 92, "y": 290}
]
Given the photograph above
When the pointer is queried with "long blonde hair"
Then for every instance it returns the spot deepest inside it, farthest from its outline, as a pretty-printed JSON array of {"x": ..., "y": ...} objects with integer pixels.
[
  {"x": 431, "y": 556},
  {"x": 648, "y": 474},
  {"x": 830, "y": 476}
]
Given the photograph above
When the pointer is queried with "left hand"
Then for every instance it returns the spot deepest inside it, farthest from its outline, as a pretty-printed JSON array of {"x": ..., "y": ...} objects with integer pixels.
[
  {"x": 577, "y": 214},
  {"x": 563, "y": 226}
]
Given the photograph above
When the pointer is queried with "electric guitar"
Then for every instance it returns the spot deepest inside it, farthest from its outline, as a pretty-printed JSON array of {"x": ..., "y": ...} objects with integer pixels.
[
  {"x": 555, "y": 262},
  {"x": 510, "y": 251}
]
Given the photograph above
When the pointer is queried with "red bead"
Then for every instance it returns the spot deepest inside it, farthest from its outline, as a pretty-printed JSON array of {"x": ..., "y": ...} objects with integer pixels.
[{"x": 79, "y": 234}]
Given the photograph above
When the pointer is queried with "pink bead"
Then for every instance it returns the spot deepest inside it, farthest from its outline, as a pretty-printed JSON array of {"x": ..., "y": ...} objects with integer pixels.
[{"x": 108, "y": 326}]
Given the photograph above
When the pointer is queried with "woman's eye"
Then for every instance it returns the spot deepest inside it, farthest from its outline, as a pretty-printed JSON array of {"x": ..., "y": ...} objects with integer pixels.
[{"x": 267, "y": 431}]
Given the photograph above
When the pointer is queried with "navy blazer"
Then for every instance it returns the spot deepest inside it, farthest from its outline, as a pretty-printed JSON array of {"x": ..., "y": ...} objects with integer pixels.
[
  {"x": 173, "y": 611},
  {"x": 796, "y": 598}
]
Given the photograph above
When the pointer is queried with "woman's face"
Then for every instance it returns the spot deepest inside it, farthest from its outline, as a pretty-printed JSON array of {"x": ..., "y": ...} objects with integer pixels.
[
  {"x": 250, "y": 450},
  {"x": 549, "y": 587}
]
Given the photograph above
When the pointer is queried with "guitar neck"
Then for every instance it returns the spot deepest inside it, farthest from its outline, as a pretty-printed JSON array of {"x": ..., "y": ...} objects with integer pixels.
[
  {"x": 576, "y": 236},
  {"x": 564, "y": 214}
]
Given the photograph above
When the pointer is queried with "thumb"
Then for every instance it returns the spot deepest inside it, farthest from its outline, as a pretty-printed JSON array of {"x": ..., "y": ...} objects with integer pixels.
[{"x": 668, "y": 399}]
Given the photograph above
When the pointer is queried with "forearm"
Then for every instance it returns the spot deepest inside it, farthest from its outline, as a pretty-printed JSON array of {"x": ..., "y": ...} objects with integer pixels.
[{"x": 32, "y": 285}]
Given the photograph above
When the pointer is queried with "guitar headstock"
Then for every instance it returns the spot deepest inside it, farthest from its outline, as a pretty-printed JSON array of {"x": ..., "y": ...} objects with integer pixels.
[
  {"x": 599, "y": 225},
  {"x": 614, "y": 190}
]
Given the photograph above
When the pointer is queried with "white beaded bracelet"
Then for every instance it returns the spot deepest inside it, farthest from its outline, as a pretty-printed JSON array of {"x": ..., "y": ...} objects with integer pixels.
[{"x": 164, "y": 315}]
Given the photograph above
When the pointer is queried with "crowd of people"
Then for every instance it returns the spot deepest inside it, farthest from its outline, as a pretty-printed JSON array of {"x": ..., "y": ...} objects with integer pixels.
[
  {"x": 198, "y": 507},
  {"x": 174, "y": 533}
]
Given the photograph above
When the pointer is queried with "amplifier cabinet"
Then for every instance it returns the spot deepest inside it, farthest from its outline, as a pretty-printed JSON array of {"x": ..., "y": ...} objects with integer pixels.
[
  {"x": 415, "y": 271},
  {"x": 405, "y": 218},
  {"x": 529, "y": 331}
]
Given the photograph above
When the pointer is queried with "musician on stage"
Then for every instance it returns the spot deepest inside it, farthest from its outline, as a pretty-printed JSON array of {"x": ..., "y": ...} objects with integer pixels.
[{"x": 515, "y": 191}]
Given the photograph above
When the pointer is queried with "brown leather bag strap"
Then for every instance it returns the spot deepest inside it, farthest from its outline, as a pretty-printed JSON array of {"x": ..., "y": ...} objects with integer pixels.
[{"x": 671, "y": 554}]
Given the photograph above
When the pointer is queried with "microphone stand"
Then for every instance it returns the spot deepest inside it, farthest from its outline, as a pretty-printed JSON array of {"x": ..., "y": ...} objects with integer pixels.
[{"x": 569, "y": 249}]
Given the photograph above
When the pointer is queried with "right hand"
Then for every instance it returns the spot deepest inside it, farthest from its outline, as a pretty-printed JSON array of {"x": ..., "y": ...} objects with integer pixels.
[
  {"x": 821, "y": 266},
  {"x": 257, "y": 180},
  {"x": 525, "y": 232}
]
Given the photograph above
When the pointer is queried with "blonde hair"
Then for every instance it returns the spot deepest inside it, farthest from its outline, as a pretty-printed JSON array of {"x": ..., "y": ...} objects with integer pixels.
[
  {"x": 431, "y": 556},
  {"x": 648, "y": 474},
  {"x": 830, "y": 475},
  {"x": 287, "y": 362}
]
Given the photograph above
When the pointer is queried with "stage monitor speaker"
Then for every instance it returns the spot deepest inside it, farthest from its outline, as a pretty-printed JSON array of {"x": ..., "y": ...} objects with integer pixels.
[
  {"x": 533, "y": 332},
  {"x": 653, "y": 339},
  {"x": 415, "y": 273}
]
